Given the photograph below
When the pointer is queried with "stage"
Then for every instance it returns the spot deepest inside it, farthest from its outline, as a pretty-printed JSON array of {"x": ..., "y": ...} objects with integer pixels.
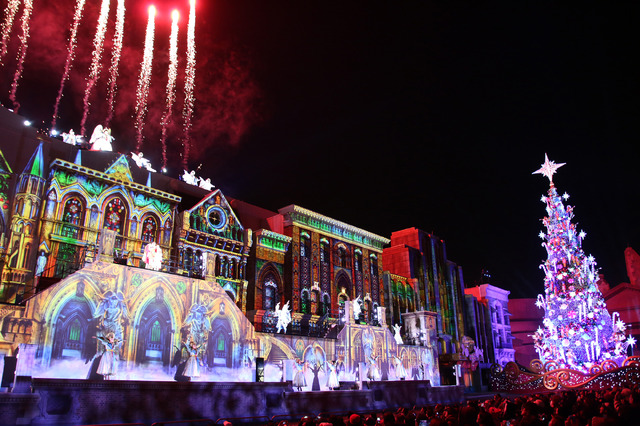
[{"x": 80, "y": 402}]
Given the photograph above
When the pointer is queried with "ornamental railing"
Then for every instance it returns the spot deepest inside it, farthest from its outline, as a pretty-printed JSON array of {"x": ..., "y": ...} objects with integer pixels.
[{"x": 541, "y": 377}]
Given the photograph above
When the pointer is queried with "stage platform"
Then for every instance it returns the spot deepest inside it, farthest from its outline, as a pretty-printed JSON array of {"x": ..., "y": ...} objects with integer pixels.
[{"x": 81, "y": 402}]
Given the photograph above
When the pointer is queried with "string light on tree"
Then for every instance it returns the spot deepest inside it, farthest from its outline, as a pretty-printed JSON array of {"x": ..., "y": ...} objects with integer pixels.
[{"x": 578, "y": 332}]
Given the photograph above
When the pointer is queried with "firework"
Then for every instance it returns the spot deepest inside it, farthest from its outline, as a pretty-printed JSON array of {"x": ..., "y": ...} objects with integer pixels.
[
  {"x": 9, "y": 14},
  {"x": 171, "y": 85},
  {"x": 189, "y": 81},
  {"x": 77, "y": 16},
  {"x": 115, "y": 58},
  {"x": 24, "y": 38},
  {"x": 142, "y": 93},
  {"x": 96, "y": 66}
]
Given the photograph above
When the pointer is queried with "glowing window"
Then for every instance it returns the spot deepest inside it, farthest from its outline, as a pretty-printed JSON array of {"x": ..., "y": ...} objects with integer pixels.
[
  {"x": 115, "y": 215},
  {"x": 149, "y": 229}
]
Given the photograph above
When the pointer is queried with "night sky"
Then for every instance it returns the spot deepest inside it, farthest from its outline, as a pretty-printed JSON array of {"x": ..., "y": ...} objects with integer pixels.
[{"x": 387, "y": 115}]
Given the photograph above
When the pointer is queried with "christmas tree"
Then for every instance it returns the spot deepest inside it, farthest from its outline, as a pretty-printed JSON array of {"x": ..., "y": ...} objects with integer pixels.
[{"x": 577, "y": 331}]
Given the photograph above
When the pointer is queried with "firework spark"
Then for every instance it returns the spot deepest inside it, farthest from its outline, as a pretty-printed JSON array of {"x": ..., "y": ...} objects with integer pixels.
[
  {"x": 9, "y": 14},
  {"x": 142, "y": 93},
  {"x": 116, "y": 52},
  {"x": 171, "y": 85},
  {"x": 24, "y": 38},
  {"x": 189, "y": 82},
  {"x": 96, "y": 65},
  {"x": 77, "y": 16}
]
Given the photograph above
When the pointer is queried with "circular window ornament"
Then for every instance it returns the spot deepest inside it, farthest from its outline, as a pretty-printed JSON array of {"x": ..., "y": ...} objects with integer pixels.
[{"x": 216, "y": 217}]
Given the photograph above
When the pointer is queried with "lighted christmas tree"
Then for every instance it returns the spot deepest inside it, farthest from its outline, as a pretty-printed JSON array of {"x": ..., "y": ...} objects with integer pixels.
[{"x": 577, "y": 331}]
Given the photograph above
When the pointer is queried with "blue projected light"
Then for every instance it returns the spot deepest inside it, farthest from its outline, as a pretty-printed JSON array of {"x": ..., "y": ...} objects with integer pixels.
[{"x": 216, "y": 217}]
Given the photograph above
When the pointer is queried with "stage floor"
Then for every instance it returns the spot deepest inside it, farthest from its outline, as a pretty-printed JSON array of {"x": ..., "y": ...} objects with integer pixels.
[{"x": 81, "y": 402}]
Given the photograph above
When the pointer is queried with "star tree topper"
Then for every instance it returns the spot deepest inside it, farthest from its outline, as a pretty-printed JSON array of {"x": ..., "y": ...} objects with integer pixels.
[{"x": 548, "y": 168}]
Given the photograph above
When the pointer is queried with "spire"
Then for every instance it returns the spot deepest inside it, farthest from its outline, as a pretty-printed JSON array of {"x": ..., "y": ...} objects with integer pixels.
[{"x": 35, "y": 166}]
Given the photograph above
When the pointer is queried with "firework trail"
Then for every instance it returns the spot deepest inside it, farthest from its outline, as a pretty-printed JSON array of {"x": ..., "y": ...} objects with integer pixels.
[
  {"x": 94, "y": 71},
  {"x": 171, "y": 85},
  {"x": 115, "y": 58},
  {"x": 9, "y": 14},
  {"x": 24, "y": 38},
  {"x": 189, "y": 81},
  {"x": 142, "y": 93},
  {"x": 77, "y": 16}
]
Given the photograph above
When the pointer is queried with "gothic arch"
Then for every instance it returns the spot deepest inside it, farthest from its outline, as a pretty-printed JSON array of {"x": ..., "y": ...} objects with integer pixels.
[
  {"x": 342, "y": 280},
  {"x": 267, "y": 273},
  {"x": 154, "y": 329},
  {"x": 74, "y": 335}
]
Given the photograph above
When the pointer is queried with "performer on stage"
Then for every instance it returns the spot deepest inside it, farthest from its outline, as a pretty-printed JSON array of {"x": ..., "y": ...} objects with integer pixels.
[
  {"x": 332, "y": 377},
  {"x": 192, "y": 368},
  {"x": 373, "y": 373},
  {"x": 315, "y": 386},
  {"x": 401, "y": 373},
  {"x": 299, "y": 380},
  {"x": 109, "y": 359}
]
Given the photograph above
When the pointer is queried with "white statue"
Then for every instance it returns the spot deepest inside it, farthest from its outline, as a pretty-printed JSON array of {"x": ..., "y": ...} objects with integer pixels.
[
  {"x": 397, "y": 336},
  {"x": 142, "y": 162},
  {"x": 101, "y": 139},
  {"x": 206, "y": 184},
  {"x": 190, "y": 177},
  {"x": 284, "y": 317},
  {"x": 71, "y": 138},
  {"x": 152, "y": 256},
  {"x": 356, "y": 308}
]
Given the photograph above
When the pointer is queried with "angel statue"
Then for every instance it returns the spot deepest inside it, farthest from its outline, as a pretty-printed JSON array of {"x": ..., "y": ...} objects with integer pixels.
[
  {"x": 206, "y": 184},
  {"x": 101, "y": 139},
  {"x": 111, "y": 311},
  {"x": 284, "y": 317},
  {"x": 142, "y": 162},
  {"x": 71, "y": 138},
  {"x": 190, "y": 177},
  {"x": 397, "y": 336},
  {"x": 356, "y": 308}
]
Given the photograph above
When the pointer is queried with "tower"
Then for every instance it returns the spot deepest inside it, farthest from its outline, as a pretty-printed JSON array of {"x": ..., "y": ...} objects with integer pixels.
[{"x": 21, "y": 243}]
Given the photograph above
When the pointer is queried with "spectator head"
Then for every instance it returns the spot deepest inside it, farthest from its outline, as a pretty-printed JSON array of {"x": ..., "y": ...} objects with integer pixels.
[{"x": 355, "y": 420}]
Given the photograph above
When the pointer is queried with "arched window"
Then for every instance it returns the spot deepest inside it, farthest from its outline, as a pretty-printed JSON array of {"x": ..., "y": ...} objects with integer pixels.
[
  {"x": 326, "y": 304},
  {"x": 75, "y": 331},
  {"x": 342, "y": 257},
  {"x": 304, "y": 245},
  {"x": 324, "y": 251},
  {"x": 73, "y": 214},
  {"x": 269, "y": 294},
  {"x": 27, "y": 254},
  {"x": 358, "y": 261},
  {"x": 315, "y": 302},
  {"x": 115, "y": 215},
  {"x": 149, "y": 229},
  {"x": 374, "y": 266},
  {"x": 305, "y": 303},
  {"x": 156, "y": 331}
]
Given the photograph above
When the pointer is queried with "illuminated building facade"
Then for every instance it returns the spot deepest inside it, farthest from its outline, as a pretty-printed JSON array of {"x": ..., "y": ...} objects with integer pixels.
[
  {"x": 436, "y": 281},
  {"x": 227, "y": 267}
]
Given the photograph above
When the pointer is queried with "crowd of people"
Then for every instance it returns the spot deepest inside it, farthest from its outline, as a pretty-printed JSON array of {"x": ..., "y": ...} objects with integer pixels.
[{"x": 617, "y": 406}]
